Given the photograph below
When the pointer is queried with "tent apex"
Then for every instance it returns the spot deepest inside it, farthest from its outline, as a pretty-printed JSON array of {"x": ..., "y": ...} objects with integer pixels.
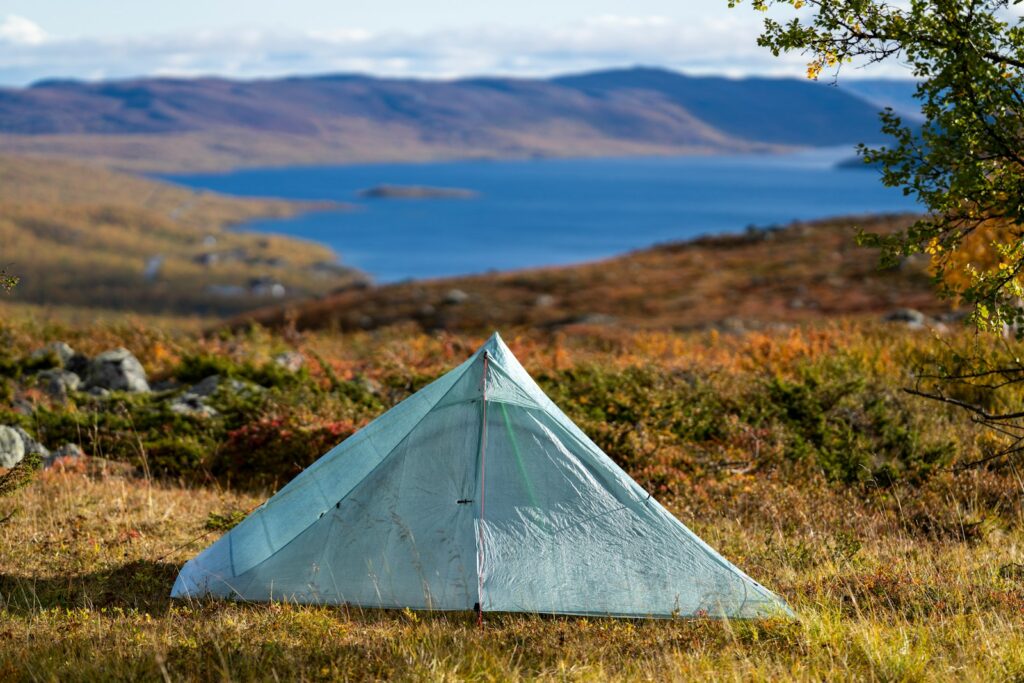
[{"x": 494, "y": 343}]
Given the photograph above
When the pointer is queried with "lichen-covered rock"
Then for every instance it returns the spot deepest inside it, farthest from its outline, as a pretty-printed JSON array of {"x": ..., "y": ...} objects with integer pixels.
[
  {"x": 290, "y": 360},
  {"x": 117, "y": 370},
  {"x": 64, "y": 454},
  {"x": 58, "y": 349},
  {"x": 455, "y": 297},
  {"x": 912, "y": 318},
  {"x": 59, "y": 382},
  {"x": 12, "y": 448},
  {"x": 30, "y": 444},
  {"x": 191, "y": 404}
]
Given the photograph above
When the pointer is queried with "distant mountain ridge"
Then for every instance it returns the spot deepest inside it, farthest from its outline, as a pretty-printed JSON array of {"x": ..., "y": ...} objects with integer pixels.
[{"x": 206, "y": 123}]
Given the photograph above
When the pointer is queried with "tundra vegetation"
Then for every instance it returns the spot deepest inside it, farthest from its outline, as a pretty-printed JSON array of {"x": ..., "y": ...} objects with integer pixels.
[
  {"x": 90, "y": 238},
  {"x": 793, "y": 451}
]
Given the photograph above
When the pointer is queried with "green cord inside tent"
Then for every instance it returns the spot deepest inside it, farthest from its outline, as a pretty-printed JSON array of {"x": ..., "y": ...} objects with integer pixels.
[{"x": 519, "y": 457}]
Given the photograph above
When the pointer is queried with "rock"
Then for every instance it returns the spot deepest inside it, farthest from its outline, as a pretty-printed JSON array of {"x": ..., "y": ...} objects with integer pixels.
[
  {"x": 191, "y": 404},
  {"x": 153, "y": 266},
  {"x": 544, "y": 301},
  {"x": 65, "y": 454},
  {"x": 60, "y": 350},
  {"x": 455, "y": 297},
  {"x": 23, "y": 406},
  {"x": 12, "y": 448},
  {"x": 30, "y": 444},
  {"x": 206, "y": 387},
  {"x": 914, "y": 319},
  {"x": 99, "y": 392},
  {"x": 58, "y": 383},
  {"x": 416, "y": 192},
  {"x": 370, "y": 385},
  {"x": 194, "y": 401},
  {"x": 209, "y": 386},
  {"x": 290, "y": 360},
  {"x": 266, "y": 286},
  {"x": 594, "y": 319},
  {"x": 117, "y": 370}
]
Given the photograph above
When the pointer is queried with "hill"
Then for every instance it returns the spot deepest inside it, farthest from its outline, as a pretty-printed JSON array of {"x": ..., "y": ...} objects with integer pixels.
[
  {"x": 806, "y": 271},
  {"x": 93, "y": 238},
  {"x": 212, "y": 123}
]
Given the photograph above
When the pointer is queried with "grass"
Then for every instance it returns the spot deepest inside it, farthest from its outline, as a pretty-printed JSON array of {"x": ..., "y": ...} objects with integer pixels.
[{"x": 792, "y": 452}]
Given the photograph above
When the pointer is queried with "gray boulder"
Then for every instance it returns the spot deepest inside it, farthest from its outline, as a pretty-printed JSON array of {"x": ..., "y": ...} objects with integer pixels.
[
  {"x": 117, "y": 370},
  {"x": 59, "y": 382},
  {"x": 912, "y": 318},
  {"x": 455, "y": 297},
  {"x": 191, "y": 404},
  {"x": 206, "y": 387},
  {"x": 12, "y": 448},
  {"x": 544, "y": 301},
  {"x": 290, "y": 360},
  {"x": 30, "y": 444},
  {"x": 210, "y": 385},
  {"x": 60, "y": 350},
  {"x": 194, "y": 401},
  {"x": 69, "y": 451}
]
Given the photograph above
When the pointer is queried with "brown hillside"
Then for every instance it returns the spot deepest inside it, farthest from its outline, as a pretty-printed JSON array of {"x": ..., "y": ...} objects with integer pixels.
[
  {"x": 798, "y": 273},
  {"x": 93, "y": 238}
]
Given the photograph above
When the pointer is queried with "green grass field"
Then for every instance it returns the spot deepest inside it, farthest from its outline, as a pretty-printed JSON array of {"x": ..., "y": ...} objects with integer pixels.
[{"x": 793, "y": 452}]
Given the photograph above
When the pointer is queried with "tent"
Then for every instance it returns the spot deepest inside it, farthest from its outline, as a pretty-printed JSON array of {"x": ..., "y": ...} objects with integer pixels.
[{"x": 476, "y": 492}]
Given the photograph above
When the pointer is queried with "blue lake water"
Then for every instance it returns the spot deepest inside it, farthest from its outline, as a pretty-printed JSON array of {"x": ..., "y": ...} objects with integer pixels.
[{"x": 543, "y": 212}]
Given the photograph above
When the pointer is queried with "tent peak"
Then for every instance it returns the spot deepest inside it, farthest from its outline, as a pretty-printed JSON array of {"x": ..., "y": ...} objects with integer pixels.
[{"x": 495, "y": 344}]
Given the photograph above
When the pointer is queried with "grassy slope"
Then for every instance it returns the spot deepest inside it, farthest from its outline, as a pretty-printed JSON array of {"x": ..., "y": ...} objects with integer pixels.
[
  {"x": 912, "y": 579},
  {"x": 82, "y": 236},
  {"x": 804, "y": 272}
]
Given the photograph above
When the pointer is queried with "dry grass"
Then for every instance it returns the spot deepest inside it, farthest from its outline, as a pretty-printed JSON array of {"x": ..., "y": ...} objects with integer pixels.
[{"x": 87, "y": 561}]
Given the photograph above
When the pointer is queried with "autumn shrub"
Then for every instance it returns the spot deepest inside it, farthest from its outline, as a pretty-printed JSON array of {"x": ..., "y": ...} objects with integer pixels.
[
  {"x": 852, "y": 430},
  {"x": 272, "y": 450},
  {"x": 829, "y": 414}
]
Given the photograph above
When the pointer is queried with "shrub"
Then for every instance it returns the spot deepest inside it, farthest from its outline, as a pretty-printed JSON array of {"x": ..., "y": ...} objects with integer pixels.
[
  {"x": 272, "y": 450},
  {"x": 196, "y": 367}
]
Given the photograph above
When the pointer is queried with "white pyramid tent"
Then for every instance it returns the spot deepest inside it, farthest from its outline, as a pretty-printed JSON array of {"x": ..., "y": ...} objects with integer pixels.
[{"x": 475, "y": 491}]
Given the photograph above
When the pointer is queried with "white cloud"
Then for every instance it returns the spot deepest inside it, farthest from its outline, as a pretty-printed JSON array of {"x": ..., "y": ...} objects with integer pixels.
[
  {"x": 724, "y": 44},
  {"x": 21, "y": 31}
]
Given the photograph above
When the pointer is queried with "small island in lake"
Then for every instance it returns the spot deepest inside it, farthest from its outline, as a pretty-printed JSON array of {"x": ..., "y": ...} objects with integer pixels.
[{"x": 417, "y": 192}]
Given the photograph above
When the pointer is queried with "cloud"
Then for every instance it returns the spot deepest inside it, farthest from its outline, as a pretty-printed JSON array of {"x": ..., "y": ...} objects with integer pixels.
[
  {"x": 17, "y": 30},
  {"x": 724, "y": 44}
]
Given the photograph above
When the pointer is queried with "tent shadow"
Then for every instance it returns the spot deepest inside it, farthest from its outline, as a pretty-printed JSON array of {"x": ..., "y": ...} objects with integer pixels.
[{"x": 140, "y": 585}]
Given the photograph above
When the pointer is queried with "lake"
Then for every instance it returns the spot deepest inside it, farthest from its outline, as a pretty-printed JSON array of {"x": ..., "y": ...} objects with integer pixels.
[{"x": 552, "y": 211}]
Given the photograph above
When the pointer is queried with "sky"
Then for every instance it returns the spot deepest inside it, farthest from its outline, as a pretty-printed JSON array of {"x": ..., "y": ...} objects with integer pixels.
[{"x": 103, "y": 39}]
